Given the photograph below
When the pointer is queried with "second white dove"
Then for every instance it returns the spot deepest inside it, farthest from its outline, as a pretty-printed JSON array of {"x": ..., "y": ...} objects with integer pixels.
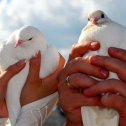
[{"x": 110, "y": 34}]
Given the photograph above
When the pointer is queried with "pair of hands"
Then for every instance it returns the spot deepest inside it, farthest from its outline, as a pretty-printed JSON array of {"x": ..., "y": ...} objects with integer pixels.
[
  {"x": 39, "y": 87},
  {"x": 78, "y": 70}
]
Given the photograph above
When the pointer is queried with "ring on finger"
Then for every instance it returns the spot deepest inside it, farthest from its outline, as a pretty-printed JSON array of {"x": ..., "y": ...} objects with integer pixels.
[{"x": 68, "y": 81}]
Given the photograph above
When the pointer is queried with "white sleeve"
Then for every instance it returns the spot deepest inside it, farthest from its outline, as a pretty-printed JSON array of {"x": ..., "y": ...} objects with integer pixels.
[{"x": 35, "y": 113}]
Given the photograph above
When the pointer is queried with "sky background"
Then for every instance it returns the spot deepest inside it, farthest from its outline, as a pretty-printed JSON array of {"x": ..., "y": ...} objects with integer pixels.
[{"x": 61, "y": 21}]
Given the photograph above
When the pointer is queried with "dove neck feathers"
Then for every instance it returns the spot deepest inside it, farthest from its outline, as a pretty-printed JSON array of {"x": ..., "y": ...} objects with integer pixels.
[{"x": 90, "y": 25}]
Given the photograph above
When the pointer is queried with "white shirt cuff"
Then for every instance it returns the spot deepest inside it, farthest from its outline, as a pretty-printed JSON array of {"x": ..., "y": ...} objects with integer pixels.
[{"x": 33, "y": 114}]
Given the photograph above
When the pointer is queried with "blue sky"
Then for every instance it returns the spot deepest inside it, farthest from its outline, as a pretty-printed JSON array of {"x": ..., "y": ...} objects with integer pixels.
[{"x": 60, "y": 20}]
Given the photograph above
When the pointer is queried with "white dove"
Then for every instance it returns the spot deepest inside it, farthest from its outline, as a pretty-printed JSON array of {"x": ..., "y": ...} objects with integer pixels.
[
  {"x": 110, "y": 34},
  {"x": 25, "y": 43}
]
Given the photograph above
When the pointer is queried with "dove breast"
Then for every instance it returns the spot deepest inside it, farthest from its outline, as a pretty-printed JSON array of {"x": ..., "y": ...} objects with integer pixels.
[{"x": 109, "y": 34}]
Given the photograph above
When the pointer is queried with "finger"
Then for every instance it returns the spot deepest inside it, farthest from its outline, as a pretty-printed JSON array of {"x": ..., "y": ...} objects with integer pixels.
[
  {"x": 117, "y": 53},
  {"x": 77, "y": 100},
  {"x": 79, "y": 49},
  {"x": 112, "y": 64},
  {"x": 114, "y": 101},
  {"x": 111, "y": 86},
  {"x": 11, "y": 71},
  {"x": 79, "y": 80},
  {"x": 81, "y": 100},
  {"x": 79, "y": 65},
  {"x": 34, "y": 66},
  {"x": 72, "y": 94}
]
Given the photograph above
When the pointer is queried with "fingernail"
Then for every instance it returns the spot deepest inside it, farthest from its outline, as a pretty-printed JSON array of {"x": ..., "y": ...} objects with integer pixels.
[
  {"x": 21, "y": 63},
  {"x": 104, "y": 72},
  {"x": 95, "y": 59},
  {"x": 95, "y": 45}
]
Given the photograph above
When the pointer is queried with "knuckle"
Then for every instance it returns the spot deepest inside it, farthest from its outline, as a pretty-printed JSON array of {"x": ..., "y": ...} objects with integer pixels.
[
  {"x": 78, "y": 59},
  {"x": 75, "y": 78},
  {"x": 73, "y": 50},
  {"x": 75, "y": 64}
]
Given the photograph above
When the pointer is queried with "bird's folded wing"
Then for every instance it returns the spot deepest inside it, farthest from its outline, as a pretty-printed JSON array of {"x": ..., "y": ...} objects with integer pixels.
[{"x": 50, "y": 61}]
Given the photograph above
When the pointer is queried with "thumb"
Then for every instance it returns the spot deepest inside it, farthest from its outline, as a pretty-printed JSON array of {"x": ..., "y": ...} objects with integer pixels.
[
  {"x": 79, "y": 49},
  {"x": 34, "y": 68},
  {"x": 11, "y": 71}
]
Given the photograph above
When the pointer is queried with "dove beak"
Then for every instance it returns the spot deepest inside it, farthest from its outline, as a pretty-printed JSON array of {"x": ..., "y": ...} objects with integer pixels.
[
  {"x": 94, "y": 20},
  {"x": 18, "y": 43}
]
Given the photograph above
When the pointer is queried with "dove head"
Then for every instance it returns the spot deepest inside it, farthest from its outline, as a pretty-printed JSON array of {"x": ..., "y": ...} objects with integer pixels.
[
  {"x": 27, "y": 41},
  {"x": 98, "y": 17},
  {"x": 27, "y": 36}
]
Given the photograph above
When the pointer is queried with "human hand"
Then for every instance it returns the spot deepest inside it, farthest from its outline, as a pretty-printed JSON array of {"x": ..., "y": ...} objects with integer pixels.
[
  {"x": 115, "y": 64},
  {"x": 36, "y": 87},
  {"x": 5, "y": 76},
  {"x": 70, "y": 97},
  {"x": 79, "y": 49},
  {"x": 72, "y": 108}
]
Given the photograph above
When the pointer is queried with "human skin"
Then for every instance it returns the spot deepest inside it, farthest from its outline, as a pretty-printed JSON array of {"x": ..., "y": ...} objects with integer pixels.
[
  {"x": 77, "y": 69},
  {"x": 116, "y": 63},
  {"x": 40, "y": 87}
]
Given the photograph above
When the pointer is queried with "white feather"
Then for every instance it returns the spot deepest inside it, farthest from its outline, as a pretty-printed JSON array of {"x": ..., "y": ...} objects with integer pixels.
[{"x": 10, "y": 55}]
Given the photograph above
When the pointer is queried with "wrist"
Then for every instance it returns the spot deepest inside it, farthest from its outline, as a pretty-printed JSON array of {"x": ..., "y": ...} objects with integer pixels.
[{"x": 69, "y": 123}]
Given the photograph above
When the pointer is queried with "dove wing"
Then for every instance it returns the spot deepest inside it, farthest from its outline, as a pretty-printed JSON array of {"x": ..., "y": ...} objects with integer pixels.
[{"x": 49, "y": 61}]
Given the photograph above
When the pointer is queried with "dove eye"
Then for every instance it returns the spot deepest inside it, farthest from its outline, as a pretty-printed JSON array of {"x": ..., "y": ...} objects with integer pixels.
[
  {"x": 30, "y": 39},
  {"x": 88, "y": 19},
  {"x": 102, "y": 16}
]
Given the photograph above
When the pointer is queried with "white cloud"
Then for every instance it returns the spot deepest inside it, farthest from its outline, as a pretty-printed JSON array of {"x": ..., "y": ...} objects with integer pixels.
[
  {"x": 60, "y": 20},
  {"x": 17, "y": 13}
]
